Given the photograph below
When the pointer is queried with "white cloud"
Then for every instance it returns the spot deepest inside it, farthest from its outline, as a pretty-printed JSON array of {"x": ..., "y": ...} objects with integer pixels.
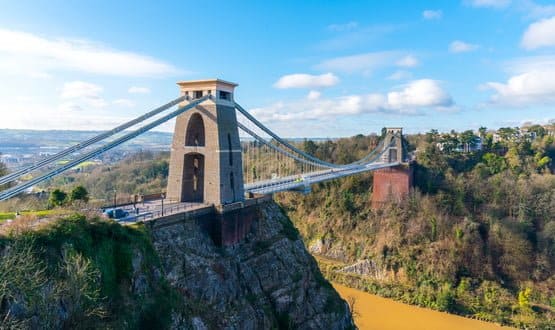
[
  {"x": 303, "y": 80},
  {"x": 65, "y": 116},
  {"x": 354, "y": 36},
  {"x": 539, "y": 34},
  {"x": 458, "y": 46},
  {"x": 78, "y": 89},
  {"x": 488, "y": 3},
  {"x": 343, "y": 27},
  {"x": 82, "y": 92},
  {"x": 124, "y": 103},
  {"x": 409, "y": 99},
  {"x": 432, "y": 14},
  {"x": 535, "y": 10},
  {"x": 44, "y": 55},
  {"x": 400, "y": 75},
  {"x": 313, "y": 95},
  {"x": 529, "y": 63},
  {"x": 360, "y": 62},
  {"x": 408, "y": 61},
  {"x": 368, "y": 62},
  {"x": 418, "y": 94},
  {"x": 138, "y": 90},
  {"x": 534, "y": 87}
]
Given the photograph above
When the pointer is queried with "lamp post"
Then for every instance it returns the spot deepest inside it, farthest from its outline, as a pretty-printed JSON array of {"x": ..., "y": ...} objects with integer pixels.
[
  {"x": 163, "y": 196},
  {"x": 115, "y": 201}
]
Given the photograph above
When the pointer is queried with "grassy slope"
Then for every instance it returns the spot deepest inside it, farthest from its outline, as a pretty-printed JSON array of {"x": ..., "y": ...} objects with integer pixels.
[{"x": 83, "y": 267}]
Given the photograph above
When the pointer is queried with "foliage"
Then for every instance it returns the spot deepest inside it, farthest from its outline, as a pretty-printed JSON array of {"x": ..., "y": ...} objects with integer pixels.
[
  {"x": 84, "y": 265},
  {"x": 476, "y": 237},
  {"x": 79, "y": 193},
  {"x": 141, "y": 173},
  {"x": 57, "y": 197}
]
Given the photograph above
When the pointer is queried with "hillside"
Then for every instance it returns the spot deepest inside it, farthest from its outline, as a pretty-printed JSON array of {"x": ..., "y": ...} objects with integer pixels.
[
  {"x": 476, "y": 237},
  {"x": 84, "y": 272}
]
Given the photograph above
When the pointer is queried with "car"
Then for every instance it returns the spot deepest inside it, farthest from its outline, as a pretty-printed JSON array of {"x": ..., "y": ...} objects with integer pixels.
[{"x": 115, "y": 213}]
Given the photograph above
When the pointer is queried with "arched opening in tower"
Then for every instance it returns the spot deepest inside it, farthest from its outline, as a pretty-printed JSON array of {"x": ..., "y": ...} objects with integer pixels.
[
  {"x": 193, "y": 178},
  {"x": 195, "y": 131}
]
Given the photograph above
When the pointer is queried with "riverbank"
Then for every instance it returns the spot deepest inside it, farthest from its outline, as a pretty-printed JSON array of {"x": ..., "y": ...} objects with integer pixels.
[{"x": 374, "y": 312}]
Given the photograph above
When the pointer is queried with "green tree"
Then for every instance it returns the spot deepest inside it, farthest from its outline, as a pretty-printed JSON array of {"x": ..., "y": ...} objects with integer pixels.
[
  {"x": 432, "y": 136},
  {"x": 494, "y": 163},
  {"x": 508, "y": 133},
  {"x": 538, "y": 129},
  {"x": 79, "y": 193},
  {"x": 524, "y": 299},
  {"x": 310, "y": 147},
  {"x": 3, "y": 171},
  {"x": 482, "y": 131},
  {"x": 468, "y": 139},
  {"x": 57, "y": 197},
  {"x": 513, "y": 159}
]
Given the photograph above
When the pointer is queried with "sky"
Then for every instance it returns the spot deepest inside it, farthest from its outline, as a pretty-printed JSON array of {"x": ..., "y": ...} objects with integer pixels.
[{"x": 304, "y": 68}]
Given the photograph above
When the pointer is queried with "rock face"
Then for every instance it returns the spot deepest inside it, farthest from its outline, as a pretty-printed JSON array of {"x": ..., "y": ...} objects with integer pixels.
[{"x": 267, "y": 281}]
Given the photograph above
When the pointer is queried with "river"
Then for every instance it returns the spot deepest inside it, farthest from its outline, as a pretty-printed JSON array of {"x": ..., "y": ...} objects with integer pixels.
[{"x": 374, "y": 312}]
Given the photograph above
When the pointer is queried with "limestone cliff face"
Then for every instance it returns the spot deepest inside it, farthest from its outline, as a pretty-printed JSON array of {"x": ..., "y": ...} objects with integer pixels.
[{"x": 267, "y": 281}]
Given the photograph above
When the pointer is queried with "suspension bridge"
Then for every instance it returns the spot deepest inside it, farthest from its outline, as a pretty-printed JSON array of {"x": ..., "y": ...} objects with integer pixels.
[{"x": 220, "y": 153}]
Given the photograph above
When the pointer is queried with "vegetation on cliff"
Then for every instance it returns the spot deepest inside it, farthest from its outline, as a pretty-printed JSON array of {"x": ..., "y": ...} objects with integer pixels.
[
  {"x": 81, "y": 273},
  {"x": 476, "y": 237}
]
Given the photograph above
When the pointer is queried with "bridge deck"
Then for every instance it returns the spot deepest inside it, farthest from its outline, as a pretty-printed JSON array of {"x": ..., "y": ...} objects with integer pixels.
[{"x": 301, "y": 182}]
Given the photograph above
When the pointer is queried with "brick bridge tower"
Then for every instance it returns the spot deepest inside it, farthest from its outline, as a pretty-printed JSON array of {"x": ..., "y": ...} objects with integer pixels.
[
  {"x": 205, "y": 162},
  {"x": 392, "y": 184}
]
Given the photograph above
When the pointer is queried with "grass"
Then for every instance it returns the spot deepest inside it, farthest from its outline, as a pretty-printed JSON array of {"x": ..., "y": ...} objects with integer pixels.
[
  {"x": 6, "y": 215},
  {"x": 42, "y": 213},
  {"x": 81, "y": 165}
]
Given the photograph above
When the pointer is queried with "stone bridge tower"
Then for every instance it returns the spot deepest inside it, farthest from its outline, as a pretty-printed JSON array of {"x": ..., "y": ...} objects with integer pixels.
[
  {"x": 396, "y": 152},
  {"x": 392, "y": 184},
  {"x": 205, "y": 162}
]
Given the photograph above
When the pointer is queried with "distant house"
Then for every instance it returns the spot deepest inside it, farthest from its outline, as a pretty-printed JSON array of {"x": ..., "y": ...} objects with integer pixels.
[
  {"x": 527, "y": 134},
  {"x": 475, "y": 145}
]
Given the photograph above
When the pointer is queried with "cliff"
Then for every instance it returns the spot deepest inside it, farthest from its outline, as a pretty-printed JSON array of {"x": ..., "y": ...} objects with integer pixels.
[{"x": 92, "y": 273}]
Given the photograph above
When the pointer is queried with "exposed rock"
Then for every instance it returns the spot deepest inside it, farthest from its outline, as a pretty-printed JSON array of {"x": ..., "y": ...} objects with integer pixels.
[
  {"x": 366, "y": 267},
  {"x": 267, "y": 281}
]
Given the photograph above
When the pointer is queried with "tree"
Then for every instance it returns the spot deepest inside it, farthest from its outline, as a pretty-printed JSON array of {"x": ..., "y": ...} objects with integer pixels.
[
  {"x": 538, "y": 129},
  {"x": 57, "y": 197},
  {"x": 482, "y": 131},
  {"x": 468, "y": 139},
  {"x": 3, "y": 171},
  {"x": 310, "y": 147},
  {"x": 508, "y": 133},
  {"x": 494, "y": 163},
  {"x": 79, "y": 193},
  {"x": 432, "y": 136}
]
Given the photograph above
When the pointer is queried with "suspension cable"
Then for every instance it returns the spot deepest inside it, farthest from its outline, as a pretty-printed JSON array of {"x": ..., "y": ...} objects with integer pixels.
[
  {"x": 15, "y": 175},
  {"x": 20, "y": 188}
]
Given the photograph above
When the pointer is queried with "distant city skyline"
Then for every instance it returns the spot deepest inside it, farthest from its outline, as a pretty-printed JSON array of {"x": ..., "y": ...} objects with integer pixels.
[{"x": 306, "y": 69}]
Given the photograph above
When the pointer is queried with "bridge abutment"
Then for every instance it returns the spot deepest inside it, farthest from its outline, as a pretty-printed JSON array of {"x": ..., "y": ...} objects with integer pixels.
[
  {"x": 226, "y": 225},
  {"x": 392, "y": 184}
]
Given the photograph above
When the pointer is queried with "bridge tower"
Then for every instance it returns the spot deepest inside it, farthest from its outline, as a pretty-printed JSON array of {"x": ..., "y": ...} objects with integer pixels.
[
  {"x": 392, "y": 184},
  {"x": 205, "y": 162},
  {"x": 396, "y": 152}
]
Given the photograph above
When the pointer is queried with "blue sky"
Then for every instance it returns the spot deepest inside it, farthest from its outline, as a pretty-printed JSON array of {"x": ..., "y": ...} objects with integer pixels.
[{"x": 310, "y": 68}]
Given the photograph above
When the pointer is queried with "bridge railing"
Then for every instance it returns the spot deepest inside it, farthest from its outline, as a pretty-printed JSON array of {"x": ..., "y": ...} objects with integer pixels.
[{"x": 166, "y": 211}]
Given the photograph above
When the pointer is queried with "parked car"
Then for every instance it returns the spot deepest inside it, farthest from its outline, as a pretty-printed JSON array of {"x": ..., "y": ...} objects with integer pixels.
[{"x": 115, "y": 213}]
